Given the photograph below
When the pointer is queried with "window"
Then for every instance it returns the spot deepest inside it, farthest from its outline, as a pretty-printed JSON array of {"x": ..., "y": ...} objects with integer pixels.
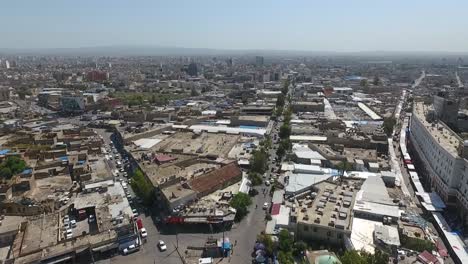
[
  {"x": 306, "y": 228},
  {"x": 340, "y": 236},
  {"x": 328, "y": 233},
  {"x": 315, "y": 229}
]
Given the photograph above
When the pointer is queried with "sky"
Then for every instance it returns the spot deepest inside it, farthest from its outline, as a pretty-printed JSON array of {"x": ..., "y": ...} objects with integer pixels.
[{"x": 309, "y": 25}]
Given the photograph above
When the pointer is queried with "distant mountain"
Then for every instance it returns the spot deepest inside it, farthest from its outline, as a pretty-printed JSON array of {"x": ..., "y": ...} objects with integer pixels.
[{"x": 179, "y": 51}]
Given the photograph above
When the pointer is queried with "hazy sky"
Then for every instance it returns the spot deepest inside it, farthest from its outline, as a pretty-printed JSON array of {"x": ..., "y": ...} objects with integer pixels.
[{"x": 326, "y": 25}]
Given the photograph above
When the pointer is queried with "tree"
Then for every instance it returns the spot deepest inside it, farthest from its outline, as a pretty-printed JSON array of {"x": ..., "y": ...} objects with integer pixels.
[
  {"x": 285, "y": 257},
  {"x": 285, "y": 131},
  {"x": 363, "y": 83},
  {"x": 268, "y": 242},
  {"x": 285, "y": 240},
  {"x": 142, "y": 187},
  {"x": 280, "y": 100},
  {"x": 363, "y": 257},
  {"x": 255, "y": 178},
  {"x": 194, "y": 92},
  {"x": 376, "y": 80},
  {"x": 388, "y": 125},
  {"x": 5, "y": 173},
  {"x": 344, "y": 166},
  {"x": 258, "y": 161},
  {"x": 352, "y": 257},
  {"x": 299, "y": 248},
  {"x": 241, "y": 202}
]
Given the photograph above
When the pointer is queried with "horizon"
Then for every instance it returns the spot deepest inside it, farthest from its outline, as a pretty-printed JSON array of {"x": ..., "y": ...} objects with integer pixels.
[{"x": 306, "y": 26}]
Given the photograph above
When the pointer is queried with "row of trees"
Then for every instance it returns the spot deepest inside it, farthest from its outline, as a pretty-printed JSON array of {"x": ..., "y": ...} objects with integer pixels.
[
  {"x": 363, "y": 257},
  {"x": 142, "y": 187}
]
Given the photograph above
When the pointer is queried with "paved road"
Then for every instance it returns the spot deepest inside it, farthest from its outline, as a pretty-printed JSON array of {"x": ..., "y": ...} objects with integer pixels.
[{"x": 242, "y": 234}]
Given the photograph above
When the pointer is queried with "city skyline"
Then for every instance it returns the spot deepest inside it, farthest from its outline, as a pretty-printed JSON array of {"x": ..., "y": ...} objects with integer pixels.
[{"x": 339, "y": 26}]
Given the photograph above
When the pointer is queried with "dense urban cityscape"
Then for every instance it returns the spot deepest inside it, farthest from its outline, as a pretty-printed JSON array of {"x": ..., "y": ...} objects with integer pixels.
[
  {"x": 225, "y": 159},
  {"x": 234, "y": 132}
]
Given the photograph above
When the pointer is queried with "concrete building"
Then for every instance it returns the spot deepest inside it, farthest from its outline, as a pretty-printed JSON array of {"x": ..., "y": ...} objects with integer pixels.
[
  {"x": 251, "y": 120},
  {"x": 445, "y": 108},
  {"x": 443, "y": 154},
  {"x": 72, "y": 104},
  {"x": 315, "y": 105},
  {"x": 327, "y": 216}
]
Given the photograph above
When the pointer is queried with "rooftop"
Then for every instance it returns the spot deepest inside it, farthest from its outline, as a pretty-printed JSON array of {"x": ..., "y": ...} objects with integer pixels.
[
  {"x": 447, "y": 139},
  {"x": 331, "y": 206}
]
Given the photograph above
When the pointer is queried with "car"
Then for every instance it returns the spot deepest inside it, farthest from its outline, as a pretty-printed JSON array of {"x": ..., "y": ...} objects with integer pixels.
[
  {"x": 267, "y": 183},
  {"x": 130, "y": 249},
  {"x": 129, "y": 196},
  {"x": 143, "y": 232},
  {"x": 135, "y": 212},
  {"x": 69, "y": 233},
  {"x": 73, "y": 223},
  {"x": 265, "y": 206},
  {"x": 91, "y": 219},
  {"x": 162, "y": 246}
]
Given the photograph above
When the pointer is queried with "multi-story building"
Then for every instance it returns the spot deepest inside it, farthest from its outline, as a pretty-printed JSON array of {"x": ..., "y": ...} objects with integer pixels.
[{"x": 443, "y": 154}]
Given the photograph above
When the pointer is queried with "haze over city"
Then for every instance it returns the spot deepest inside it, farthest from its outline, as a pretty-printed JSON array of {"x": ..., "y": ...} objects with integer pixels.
[
  {"x": 234, "y": 132},
  {"x": 355, "y": 26}
]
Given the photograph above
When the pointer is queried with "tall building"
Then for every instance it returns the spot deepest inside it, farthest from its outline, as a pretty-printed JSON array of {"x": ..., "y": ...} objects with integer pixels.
[
  {"x": 97, "y": 76},
  {"x": 192, "y": 69},
  {"x": 259, "y": 61},
  {"x": 446, "y": 108},
  {"x": 444, "y": 156}
]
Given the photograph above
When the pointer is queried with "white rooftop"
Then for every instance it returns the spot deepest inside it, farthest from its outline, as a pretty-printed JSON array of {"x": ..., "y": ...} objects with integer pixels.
[{"x": 147, "y": 143}]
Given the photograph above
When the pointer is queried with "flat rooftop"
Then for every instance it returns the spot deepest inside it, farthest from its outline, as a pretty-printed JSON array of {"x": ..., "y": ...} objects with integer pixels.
[
  {"x": 331, "y": 206},
  {"x": 218, "y": 144},
  {"x": 183, "y": 167},
  {"x": 447, "y": 139}
]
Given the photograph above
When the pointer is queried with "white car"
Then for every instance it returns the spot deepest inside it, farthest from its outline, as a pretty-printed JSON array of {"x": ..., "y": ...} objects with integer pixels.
[
  {"x": 162, "y": 246},
  {"x": 130, "y": 249},
  {"x": 267, "y": 183},
  {"x": 265, "y": 206},
  {"x": 69, "y": 233},
  {"x": 91, "y": 219},
  {"x": 135, "y": 213},
  {"x": 143, "y": 232}
]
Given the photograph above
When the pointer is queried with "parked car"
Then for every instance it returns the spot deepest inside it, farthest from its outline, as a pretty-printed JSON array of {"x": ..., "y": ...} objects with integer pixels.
[
  {"x": 143, "y": 232},
  {"x": 265, "y": 206},
  {"x": 162, "y": 246},
  {"x": 91, "y": 219}
]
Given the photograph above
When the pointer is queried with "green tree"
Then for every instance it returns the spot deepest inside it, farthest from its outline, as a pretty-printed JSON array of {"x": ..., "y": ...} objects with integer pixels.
[
  {"x": 255, "y": 178},
  {"x": 280, "y": 100},
  {"x": 299, "y": 248},
  {"x": 285, "y": 240},
  {"x": 285, "y": 257},
  {"x": 142, "y": 187},
  {"x": 362, "y": 257},
  {"x": 363, "y": 83},
  {"x": 241, "y": 202},
  {"x": 258, "y": 161},
  {"x": 268, "y": 242},
  {"x": 344, "y": 166},
  {"x": 388, "y": 125},
  {"x": 5, "y": 172},
  {"x": 352, "y": 257},
  {"x": 285, "y": 131}
]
